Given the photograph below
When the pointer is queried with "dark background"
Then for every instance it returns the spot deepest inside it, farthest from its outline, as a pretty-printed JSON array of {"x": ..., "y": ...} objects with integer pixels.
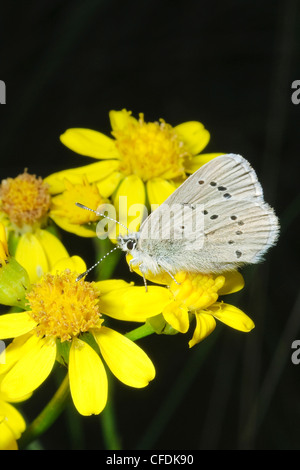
[{"x": 229, "y": 64}]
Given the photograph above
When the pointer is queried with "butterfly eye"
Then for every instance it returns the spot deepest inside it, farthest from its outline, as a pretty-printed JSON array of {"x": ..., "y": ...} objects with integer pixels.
[{"x": 130, "y": 245}]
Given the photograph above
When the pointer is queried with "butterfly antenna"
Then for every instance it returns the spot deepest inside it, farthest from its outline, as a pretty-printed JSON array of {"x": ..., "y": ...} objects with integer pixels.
[
  {"x": 96, "y": 264},
  {"x": 100, "y": 214}
]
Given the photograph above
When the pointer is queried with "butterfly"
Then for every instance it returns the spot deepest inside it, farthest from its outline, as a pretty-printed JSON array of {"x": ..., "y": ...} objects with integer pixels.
[{"x": 216, "y": 221}]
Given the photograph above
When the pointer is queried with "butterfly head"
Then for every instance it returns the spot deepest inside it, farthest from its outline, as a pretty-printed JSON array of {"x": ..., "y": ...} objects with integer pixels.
[{"x": 128, "y": 242}]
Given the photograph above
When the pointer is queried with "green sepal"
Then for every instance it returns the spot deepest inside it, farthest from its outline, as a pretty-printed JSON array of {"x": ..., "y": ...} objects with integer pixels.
[
  {"x": 63, "y": 351},
  {"x": 63, "y": 348},
  {"x": 90, "y": 340},
  {"x": 14, "y": 284},
  {"x": 160, "y": 326}
]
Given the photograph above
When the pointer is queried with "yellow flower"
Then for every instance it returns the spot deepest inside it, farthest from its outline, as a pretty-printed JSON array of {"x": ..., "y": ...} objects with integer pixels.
[
  {"x": 25, "y": 200},
  {"x": 64, "y": 319},
  {"x": 12, "y": 424},
  {"x": 24, "y": 209},
  {"x": 192, "y": 295},
  {"x": 71, "y": 218},
  {"x": 143, "y": 158},
  {"x": 197, "y": 295}
]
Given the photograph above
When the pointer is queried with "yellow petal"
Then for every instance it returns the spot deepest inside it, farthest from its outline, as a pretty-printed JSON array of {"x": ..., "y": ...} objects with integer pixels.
[
  {"x": 176, "y": 314},
  {"x": 90, "y": 143},
  {"x": 133, "y": 188},
  {"x": 158, "y": 190},
  {"x": 120, "y": 119},
  {"x": 73, "y": 263},
  {"x": 205, "y": 325},
  {"x": 127, "y": 361},
  {"x": 194, "y": 136},
  {"x": 53, "y": 247},
  {"x": 130, "y": 202},
  {"x": 88, "y": 380},
  {"x": 3, "y": 242},
  {"x": 133, "y": 303},
  {"x": 3, "y": 253},
  {"x": 234, "y": 282},
  {"x": 232, "y": 316},
  {"x": 15, "y": 324},
  {"x": 193, "y": 164},
  {"x": 93, "y": 172},
  {"x": 13, "y": 353},
  {"x": 109, "y": 285},
  {"x": 32, "y": 368},
  {"x": 80, "y": 230},
  {"x": 31, "y": 255},
  {"x": 108, "y": 185},
  {"x": 7, "y": 437},
  {"x": 15, "y": 400},
  {"x": 13, "y": 418}
]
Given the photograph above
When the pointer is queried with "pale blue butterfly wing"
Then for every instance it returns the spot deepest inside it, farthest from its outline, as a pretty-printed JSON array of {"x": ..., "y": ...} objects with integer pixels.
[{"x": 238, "y": 227}]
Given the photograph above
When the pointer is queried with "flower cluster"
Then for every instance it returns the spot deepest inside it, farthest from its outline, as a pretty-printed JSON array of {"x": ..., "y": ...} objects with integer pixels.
[{"x": 57, "y": 315}]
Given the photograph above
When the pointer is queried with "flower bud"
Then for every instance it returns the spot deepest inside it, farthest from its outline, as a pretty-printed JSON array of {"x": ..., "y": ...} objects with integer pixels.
[{"x": 14, "y": 280}]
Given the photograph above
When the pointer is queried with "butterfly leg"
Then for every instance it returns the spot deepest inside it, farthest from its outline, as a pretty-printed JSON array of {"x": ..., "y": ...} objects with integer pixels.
[
  {"x": 142, "y": 269},
  {"x": 132, "y": 261},
  {"x": 171, "y": 275},
  {"x": 145, "y": 283}
]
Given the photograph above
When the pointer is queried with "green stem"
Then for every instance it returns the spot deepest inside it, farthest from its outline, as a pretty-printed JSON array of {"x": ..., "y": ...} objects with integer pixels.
[
  {"x": 108, "y": 423},
  {"x": 48, "y": 416},
  {"x": 110, "y": 259},
  {"x": 140, "y": 332}
]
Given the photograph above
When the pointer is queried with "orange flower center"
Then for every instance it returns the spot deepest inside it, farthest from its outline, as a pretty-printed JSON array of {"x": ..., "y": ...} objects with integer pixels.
[
  {"x": 64, "y": 307},
  {"x": 25, "y": 199}
]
